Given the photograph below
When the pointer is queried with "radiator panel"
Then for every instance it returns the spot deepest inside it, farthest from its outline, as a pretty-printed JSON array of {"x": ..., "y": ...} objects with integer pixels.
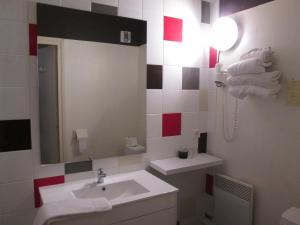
[{"x": 233, "y": 201}]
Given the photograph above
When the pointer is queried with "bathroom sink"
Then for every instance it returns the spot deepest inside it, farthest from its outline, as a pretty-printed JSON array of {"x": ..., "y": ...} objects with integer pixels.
[
  {"x": 118, "y": 189},
  {"x": 110, "y": 191}
]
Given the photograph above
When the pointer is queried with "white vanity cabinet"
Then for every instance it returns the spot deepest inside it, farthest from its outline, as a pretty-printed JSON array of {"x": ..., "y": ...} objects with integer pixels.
[
  {"x": 164, "y": 217},
  {"x": 160, "y": 210},
  {"x": 137, "y": 198}
]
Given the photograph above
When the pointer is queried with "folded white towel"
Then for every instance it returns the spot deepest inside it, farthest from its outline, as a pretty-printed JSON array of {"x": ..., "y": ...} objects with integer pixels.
[
  {"x": 266, "y": 80},
  {"x": 57, "y": 211},
  {"x": 248, "y": 90},
  {"x": 265, "y": 54},
  {"x": 247, "y": 66}
]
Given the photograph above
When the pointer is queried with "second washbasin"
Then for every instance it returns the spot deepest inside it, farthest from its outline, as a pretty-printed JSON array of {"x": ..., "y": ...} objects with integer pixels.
[{"x": 110, "y": 191}]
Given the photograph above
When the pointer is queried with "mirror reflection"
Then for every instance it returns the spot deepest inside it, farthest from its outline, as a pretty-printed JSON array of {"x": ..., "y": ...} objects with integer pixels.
[{"x": 91, "y": 99}]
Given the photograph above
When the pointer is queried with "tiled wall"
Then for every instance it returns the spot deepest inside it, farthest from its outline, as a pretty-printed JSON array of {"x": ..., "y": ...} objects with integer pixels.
[
  {"x": 178, "y": 61},
  {"x": 16, "y": 168}
]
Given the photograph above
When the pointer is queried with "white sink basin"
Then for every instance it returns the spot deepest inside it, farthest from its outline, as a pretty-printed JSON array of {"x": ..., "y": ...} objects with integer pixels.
[
  {"x": 117, "y": 189},
  {"x": 110, "y": 191}
]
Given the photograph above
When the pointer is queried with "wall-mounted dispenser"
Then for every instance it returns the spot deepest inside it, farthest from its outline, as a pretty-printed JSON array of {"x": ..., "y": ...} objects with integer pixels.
[
  {"x": 81, "y": 136},
  {"x": 125, "y": 37}
]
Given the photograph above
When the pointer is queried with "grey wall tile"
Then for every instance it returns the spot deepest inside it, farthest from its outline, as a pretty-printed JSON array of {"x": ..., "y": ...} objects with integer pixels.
[
  {"x": 104, "y": 9},
  {"x": 190, "y": 78},
  {"x": 77, "y": 167}
]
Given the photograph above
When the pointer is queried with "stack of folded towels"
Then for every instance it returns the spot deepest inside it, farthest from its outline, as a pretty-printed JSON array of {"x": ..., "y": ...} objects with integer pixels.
[{"x": 249, "y": 77}]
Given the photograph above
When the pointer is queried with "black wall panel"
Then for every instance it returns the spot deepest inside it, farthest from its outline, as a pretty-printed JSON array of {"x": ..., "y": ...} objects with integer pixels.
[
  {"x": 228, "y": 7},
  {"x": 15, "y": 135},
  {"x": 60, "y": 22}
]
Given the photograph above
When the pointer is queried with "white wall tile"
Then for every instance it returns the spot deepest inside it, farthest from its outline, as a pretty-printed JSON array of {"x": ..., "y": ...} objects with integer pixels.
[
  {"x": 14, "y": 40},
  {"x": 154, "y": 126},
  {"x": 154, "y": 150},
  {"x": 203, "y": 121},
  {"x": 173, "y": 8},
  {"x": 16, "y": 197},
  {"x": 80, "y": 176},
  {"x": 204, "y": 77},
  {"x": 53, "y": 170},
  {"x": 50, "y": 2},
  {"x": 195, "y": 37},
  {"x": 106, "y": 163},
  {"x": 172, "y": 101},
  {"x": 173, "y": 53},
  {"x": 154, "y": 101},
  {"x": 131, "y": 8},
  {"x": 203, "y": 100},
  {"x": 13, "y": 10},
  {"x": 190, "y": 101},
  {"x": 153, "y": 5},
  {"x": 161, "y": 148},
  {"x": 78, "y": 4},
  {"x": 190, "y": 121},
  {"x": 171, "y": 145},
  {"x": 153, "y": 14},
  {"x": 13, "y": 71},
  {"x": 14, "y": 103},
  {"x": 114, "y": 3},
  {"x": 172, "y": 77},
  {"x": 15, "y": 166}
]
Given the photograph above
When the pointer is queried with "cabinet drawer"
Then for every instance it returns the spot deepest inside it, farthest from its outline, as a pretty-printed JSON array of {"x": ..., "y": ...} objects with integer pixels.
[{"x": 164, "y": 217}]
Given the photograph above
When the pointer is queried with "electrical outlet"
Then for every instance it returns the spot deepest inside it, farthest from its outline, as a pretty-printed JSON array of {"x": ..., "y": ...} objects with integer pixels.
[{"x": 125, "y": 37}]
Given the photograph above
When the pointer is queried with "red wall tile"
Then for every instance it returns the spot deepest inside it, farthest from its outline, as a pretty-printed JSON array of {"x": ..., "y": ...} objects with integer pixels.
[
  {"x": 45, "y": 182},
  {"x": 171, "y": 124},
  {"x": 173, "y": 29},
  {"x": 213, "y": 56},
  {"x": 209, "y": 184},
  {"x": 33, "y": 39}
]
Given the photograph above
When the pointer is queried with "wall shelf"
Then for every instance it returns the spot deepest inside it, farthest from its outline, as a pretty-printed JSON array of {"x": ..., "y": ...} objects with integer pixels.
[{"x": 176, "y": 165}]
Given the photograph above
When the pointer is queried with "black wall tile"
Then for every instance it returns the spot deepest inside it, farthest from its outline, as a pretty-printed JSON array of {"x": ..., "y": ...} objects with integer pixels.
[
  {"x": 202, "y": 143},
  {"x": 15, "y": 135},
  {"x": 228, "y": 7},
  {"x": 190, "y": 78},
  {"x": 77, "y": 167},
  {"x": 205, "y": 12},
  {"x": 60, "y": 22},
  {"x": 104, "y": 9},
  {"x": 154, "y": 77}
]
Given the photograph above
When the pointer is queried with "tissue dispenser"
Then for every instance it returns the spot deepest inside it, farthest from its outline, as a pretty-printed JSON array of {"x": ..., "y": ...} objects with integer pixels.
[
  {"x": 132, "y": 146},
  {"x": 81, "y": 136}
]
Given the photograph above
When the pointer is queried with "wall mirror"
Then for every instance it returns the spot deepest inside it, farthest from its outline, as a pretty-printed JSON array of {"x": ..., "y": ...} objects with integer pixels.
[{"x": 92, "y": 85}]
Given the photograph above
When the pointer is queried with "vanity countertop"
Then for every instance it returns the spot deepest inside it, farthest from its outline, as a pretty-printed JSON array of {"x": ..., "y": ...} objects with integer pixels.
[
  {"x": 154, "y": 185},
  {"x": 176, "y": 165}
]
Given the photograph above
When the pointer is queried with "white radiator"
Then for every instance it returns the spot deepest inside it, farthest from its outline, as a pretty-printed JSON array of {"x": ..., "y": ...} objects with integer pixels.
[{"x": 233, "y": 201}]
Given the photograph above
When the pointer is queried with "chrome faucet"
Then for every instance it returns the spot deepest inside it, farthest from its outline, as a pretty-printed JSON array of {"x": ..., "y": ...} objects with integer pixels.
[{"x": 100, "y": 176}]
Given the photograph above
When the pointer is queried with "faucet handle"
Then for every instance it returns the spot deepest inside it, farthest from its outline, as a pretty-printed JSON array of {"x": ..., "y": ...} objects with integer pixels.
[{"x": 100, "y": 171}]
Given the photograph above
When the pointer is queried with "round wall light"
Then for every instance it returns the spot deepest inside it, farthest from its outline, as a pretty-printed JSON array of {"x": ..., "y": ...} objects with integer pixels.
[{"x": 224, "y": 33}]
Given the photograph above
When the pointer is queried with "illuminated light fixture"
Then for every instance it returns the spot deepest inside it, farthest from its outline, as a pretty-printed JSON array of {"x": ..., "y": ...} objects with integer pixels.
[{"x": 225, "y": 33}]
